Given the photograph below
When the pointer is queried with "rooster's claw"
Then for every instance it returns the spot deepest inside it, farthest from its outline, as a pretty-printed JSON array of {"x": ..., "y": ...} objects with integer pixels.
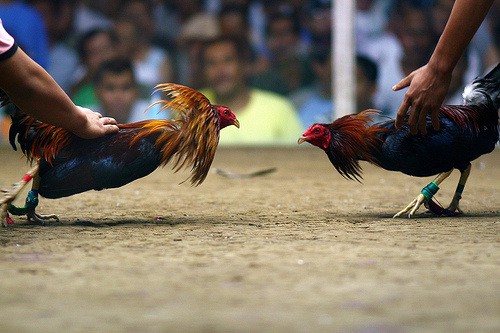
[
  {"x": 412, "y": 207},
  {"x": 41, "y": 219}
]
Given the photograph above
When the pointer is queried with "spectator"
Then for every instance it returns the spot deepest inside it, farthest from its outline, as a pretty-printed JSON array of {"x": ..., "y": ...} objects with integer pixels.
[
  {"x": 140, "y": 12},
  {"x": 63, "y": 60},
  {"x": 300, "y": 9},
  {"x": 170, "y": 17},
  {"x": 400, "y": 52},
  {"x": 314, "y": 104},
  {"x": 94, "y": 48},
  {"x": 233, "y": 22},
  {"x": 416, "y": 37},
  {"x": 117, "y": 92},
  {"x": 318, "y": 23},
  {"x": 194, "y": 33},
  {"x": 493, "y": 54},
  {"x": 366, "y": 83},
  {"x": 95, "y": 14},
  {"x": 255, "y": 21},
  {"x": 289, "y": 68},
  {"x": 265, "y": 118},
  {"x": 371, "y": 20},
  {"x": 458, "y": 81},
  {"x": 152, "y": 64},
  {"x": 26, "y": 25}
]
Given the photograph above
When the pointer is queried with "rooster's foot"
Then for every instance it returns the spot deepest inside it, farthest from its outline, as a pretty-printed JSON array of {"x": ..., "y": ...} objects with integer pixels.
[
  {"x": 5, "y": 203},
  {"x": 424, "y": 197},
  {"x": 41, "y": 219},
  {"x": 28, "y": 210},
  {"x": 11, "y": 194},
  {"x": 4, "y": 215},
  {"x": 455, "y": 210},
  {"x": 412, "y": 207}
]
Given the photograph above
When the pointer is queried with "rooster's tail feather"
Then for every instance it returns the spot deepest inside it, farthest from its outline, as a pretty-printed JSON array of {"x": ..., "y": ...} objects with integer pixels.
[
  {"x": 484, "y": 91},
  {"x": 37, "y": 139}
]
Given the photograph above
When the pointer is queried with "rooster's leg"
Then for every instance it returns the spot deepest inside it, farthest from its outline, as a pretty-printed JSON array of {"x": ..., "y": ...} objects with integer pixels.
[
  {"x": 453, "y": 207},
  {"x": 6, "y": 205},
  {"x": 32, "y": 202},
  {"x": 425, "y": 195},
  {"x": 11, "y": 194}
]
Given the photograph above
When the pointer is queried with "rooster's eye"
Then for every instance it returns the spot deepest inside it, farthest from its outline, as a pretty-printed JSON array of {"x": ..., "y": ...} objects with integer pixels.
[
  {"x": 225, "y": 112},
  {"x": 317, "y": 131}
]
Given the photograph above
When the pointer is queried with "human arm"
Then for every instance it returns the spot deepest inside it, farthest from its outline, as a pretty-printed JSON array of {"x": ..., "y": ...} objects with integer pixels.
[
  {"x": 36, "y": 93},
  {"x": 429, "y": 84}
]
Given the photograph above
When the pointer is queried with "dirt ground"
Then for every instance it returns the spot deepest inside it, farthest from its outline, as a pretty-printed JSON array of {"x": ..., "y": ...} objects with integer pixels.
[{"x": 298, "y": 250}]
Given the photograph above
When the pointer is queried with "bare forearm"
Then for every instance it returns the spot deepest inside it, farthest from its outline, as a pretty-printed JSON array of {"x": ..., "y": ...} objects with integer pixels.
[
  {"x": 35, "y": 92},
  {"x": 429, "y": 84},
  {"x": 465, "y": 18}
]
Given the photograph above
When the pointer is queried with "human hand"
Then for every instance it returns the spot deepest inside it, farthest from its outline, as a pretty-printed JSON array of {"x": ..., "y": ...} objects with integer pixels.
[
  {"x": 426, "y": 92},
  {"x": 96, "y": 125}
]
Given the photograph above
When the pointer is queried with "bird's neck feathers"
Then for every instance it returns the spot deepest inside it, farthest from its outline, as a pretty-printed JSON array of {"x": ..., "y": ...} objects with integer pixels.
[
  {"x": 184, "y": 141},
  {"x": 354, "y": 140},
  {"x": 471, "y": 118},
  {"x": 189, "y": 140}
]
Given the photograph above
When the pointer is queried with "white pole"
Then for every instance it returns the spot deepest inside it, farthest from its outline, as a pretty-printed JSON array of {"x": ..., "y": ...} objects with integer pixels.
[{"x": 343, "y": 60}]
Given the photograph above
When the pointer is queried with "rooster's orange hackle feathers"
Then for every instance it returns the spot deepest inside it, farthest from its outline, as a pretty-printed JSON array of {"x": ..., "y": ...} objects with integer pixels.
[
  {"x": 355, "y": 139},
  {"x": 192, "y": 137}
]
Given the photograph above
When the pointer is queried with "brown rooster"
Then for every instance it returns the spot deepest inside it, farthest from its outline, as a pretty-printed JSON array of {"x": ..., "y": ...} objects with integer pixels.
[
  {"x": 67, "y": 165},
  {"x": 467, "y": 132}
]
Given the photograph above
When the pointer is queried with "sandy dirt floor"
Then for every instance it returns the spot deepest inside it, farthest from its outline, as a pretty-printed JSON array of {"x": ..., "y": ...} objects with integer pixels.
[{"x": 298, "y": 250}]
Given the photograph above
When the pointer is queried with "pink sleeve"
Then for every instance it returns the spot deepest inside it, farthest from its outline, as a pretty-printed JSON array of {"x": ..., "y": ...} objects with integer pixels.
[{"x": 6, "y": 40}]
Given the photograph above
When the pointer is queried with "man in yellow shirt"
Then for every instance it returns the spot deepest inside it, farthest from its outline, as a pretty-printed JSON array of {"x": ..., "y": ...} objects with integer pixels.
[{"x": 265, "y": 118}]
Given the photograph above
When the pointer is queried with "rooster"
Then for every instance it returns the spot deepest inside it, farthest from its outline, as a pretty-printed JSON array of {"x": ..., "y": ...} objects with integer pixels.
[
  {"x": 65, "y": 164},
  {"x": 466, "y": 132}
]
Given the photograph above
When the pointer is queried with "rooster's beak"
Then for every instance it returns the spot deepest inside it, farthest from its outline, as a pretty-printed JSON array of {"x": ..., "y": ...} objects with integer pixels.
[
  {"x": 236, "y": 123},
  {"x": 302, "y": 139}
]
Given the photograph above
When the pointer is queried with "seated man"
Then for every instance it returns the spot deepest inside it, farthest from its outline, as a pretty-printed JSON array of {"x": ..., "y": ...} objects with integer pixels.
[
  {"x": 117, "y": 92},
  {"x": 266, "y": 118},
  {"x": 315, "y": 103}
]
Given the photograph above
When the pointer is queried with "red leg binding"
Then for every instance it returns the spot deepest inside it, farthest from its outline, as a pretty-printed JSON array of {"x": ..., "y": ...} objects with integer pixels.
[
  {"x": 27, "y": 177},
  {"x": 436, "y": 208}
]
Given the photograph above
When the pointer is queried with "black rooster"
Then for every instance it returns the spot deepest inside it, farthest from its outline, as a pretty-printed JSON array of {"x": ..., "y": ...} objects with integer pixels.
[{"x": 467, "y": 132}]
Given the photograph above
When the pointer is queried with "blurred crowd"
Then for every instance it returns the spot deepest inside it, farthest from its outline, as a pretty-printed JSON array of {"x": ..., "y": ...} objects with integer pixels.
[{"x": 270, "y": 61}]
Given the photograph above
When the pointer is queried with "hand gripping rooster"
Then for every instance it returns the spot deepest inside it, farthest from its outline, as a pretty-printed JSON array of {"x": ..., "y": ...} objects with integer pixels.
[
  {"x": 466, "y": 132},
  {"x": 65, "y": 164}
]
